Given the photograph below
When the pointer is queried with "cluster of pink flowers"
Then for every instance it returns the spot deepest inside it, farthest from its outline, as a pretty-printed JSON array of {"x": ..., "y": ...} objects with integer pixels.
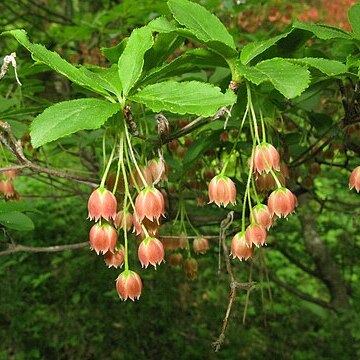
[
  {"x": 281, "y": 202},
  {"x": 148, "y": 208}
]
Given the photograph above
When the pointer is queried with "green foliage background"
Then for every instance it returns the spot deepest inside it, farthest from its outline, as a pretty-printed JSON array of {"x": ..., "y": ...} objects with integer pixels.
[{"x": 64, "y": 305}]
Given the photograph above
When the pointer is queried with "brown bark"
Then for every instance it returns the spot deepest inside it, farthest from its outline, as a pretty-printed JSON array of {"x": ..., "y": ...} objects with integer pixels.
[{"x": 326, "y": 266}]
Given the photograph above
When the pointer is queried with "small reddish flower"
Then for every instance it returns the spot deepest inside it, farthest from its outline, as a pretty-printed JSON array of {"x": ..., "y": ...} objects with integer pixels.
[
  {"x": 119, "y": 221},
  {"x": 222, "y": 190},
  {"x": 129, "y": 285},
  {"x": 102, "y": 203},
  {"x": 7, "y": 188},
  {"x": 158, "y": 170},
  {"x": 151, "y": 251},
  {"x": 200, "y": 245},
  {"x": 145, "y": 171},
  {"x": 150, "y": 204},
  {"x": 175, "y": 259},
  {"x": 261, "y": 215},
  {"x": 10, "y": 174},
  {"x": 191, "y": 268},
  {"x": 239, "y": 247},
  {"x": 281, "y": 202},
  {"x": 266, "y": 157},
  {"x": 103, "y": 238},
  {"x": 255, "y": 234},
  {"x": 115, "y": 259},
  {"x": 355, "y": 179}
]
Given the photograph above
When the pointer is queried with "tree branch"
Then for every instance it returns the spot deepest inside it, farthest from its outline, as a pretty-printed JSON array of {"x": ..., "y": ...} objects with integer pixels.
[{"x": 13, "y": 248}]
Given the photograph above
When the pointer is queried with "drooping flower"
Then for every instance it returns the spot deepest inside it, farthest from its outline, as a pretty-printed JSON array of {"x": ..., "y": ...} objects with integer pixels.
[
  {"x": 261, "y": 215},
  {"x": 119, "y": 221},
  {"x": 281, "y": 202},
  {"x": 129, "y": 285},
  {"x": 103, "y": 238},
  {"x": 266, "y": 157},
  {"x": 150, "y": 204},
  {"x": 151, "y": 251},
  {"x": 102, "y": 203},
  {"x": 157, "y": 169},
  {"x": 175, "y": 259},
  {"x": 255, "y": 234},
  {"x": 7, "y": 188},
  {"x": 222, "y": 190},
  {"x": 191, "y": 268},
  {"x": 115, "y": 259},
  {"x": 200, "y": 245},
  {"x": 239, "y": 247},
  {"x": 354, "y": 181},
  {"x": 10, "y": 174}
]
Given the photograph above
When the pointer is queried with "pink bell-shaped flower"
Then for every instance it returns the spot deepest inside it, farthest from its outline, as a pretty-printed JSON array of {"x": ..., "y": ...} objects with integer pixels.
[
  {"x": 7, "y": 188},
  {"x": 102, "y": 203},
  {"x": 239, "y": 247},
  {"x": 261, "y": 215},
  {"x": 150, "y": 204},
  {"x": 151, "y": 251},
  {"x": 119, "y": 221},
  {"x": 354, "y": 181},
  {"x": 266, "y": 157},
  {"x": 115, "y": 259},
  {"x": 255, "y": 234},
  {"x": 129, "y": 285},
  {"x": 281, "y": 202},
  {"x": 103, "y": 238},
  {"x": 222, "y": 190}
]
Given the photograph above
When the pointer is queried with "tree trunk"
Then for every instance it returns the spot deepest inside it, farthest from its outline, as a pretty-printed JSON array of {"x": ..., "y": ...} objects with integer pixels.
[{"x": 326, "y": 266}]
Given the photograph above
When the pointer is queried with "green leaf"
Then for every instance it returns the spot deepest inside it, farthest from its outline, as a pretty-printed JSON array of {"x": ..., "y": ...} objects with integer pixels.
[
  {"x": 188, "y": 97},
  {"x": 17, "y": 206},
  {"x": 55, "y": 62},
  {"x": 354, "y": 19},
  {"x": 68, "y": 117},
  {"x": 326, "y": 66},
  {"x": 107, "y": 77},
  {"x": 190, "y": 61},
  {"x": 113, "y": 53},
  {"x": 288, "y": 78},
  {"x": 161, "y": 25},
  {"x": 205, "y": 26},
  {"x": 17, "y": 221},
  {"x": 131, "y": 60},
  {"x": 251, "y": 50},
  {"x": 323, "y": 32}
]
